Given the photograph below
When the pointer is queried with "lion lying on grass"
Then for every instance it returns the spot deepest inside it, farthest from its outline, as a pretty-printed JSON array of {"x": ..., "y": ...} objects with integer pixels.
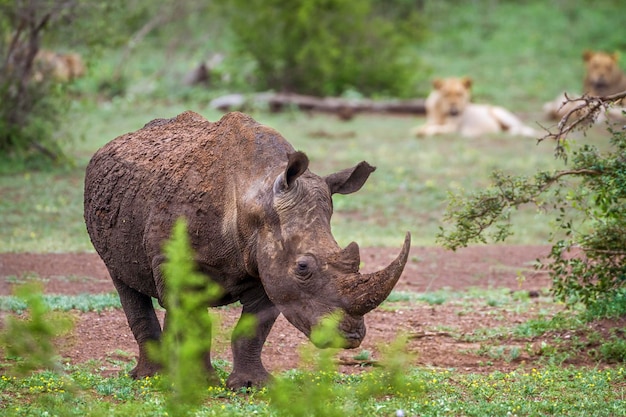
[
  {"x": 449, "y": 110},
  {"x": 603, "y": 77}
]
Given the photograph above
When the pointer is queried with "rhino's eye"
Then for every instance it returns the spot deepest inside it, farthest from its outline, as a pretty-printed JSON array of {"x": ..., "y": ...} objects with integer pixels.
[{"x": 304, "y": 266}]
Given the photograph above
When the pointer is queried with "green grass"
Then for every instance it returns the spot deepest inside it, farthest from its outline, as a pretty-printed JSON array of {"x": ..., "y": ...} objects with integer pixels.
[
  {"x": 492, "y": 297},
  {"x": 553, "y": 390},
  {"x": 545, "y": 387},
  {"x": 42, "y": 212},
  {"x": 62, "y": 302}
]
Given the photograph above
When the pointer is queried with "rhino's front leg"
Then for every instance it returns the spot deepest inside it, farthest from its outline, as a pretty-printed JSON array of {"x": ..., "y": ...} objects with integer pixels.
[{"x": 248, "y": 370}]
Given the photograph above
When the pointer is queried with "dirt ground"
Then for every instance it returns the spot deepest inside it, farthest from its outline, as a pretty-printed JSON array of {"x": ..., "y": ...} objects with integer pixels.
[{"x": 434, "y": 330}]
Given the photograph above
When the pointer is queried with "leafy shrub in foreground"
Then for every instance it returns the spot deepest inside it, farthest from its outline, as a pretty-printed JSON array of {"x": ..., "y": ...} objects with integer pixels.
[
  {"x": 325, "y": 392},
  {"x": 589, "y": 201},
  {"x": 188, "y": 334}
]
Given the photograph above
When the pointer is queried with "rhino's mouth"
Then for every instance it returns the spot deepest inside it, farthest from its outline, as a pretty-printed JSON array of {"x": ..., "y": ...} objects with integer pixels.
[
  {"x": 350, "y": 328},
  {"x": 353, "y": 340},
  {"x": 352, "y": 332},
  {"x": 350, "y": 341}
]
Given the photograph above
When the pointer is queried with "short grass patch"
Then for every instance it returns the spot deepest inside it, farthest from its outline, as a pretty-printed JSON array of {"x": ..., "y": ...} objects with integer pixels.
[
  {"x": 391, "y": 386},
  {"x": 61, "y": 302},
  {"x": 551, "y": 390}
]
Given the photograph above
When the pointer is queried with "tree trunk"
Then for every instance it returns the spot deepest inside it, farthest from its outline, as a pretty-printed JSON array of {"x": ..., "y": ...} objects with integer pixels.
[{"x": 344, "y": 108}]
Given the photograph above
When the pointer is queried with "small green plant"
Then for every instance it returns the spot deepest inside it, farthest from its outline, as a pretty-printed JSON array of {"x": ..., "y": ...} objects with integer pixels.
[
  {"x": 434, "y": 298},
  {"x": 506, "y": 353},
  {"x": 514, "y": 353},
  {"x": 614, "y": 350},
  {"x": 312, "y": 393},
  {"x": 363, "y": 355},
  {"x": 325, "y": 333},
  {"x": 30, "y": 340},
  {"x": 188, "y": 337}
]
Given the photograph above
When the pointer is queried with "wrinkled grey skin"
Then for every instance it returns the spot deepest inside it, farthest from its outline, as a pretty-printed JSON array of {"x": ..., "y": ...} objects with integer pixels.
[{"x": 258, "y": 221}]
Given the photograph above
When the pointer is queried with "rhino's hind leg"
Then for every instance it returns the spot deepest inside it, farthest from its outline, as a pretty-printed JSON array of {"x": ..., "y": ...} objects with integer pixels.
[
  {"x": 248, "y": 370},
  {"x": 143, "y": 323}
]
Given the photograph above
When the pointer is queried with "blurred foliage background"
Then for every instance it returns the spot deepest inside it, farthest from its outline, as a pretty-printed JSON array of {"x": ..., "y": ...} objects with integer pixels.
[
  {"x": 517, "y": 53},
  {"x": 152, "y": 59}
]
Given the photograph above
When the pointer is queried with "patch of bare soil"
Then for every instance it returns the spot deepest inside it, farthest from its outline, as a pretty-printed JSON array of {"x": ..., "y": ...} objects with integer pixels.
[{"x": 435, "y": 332}]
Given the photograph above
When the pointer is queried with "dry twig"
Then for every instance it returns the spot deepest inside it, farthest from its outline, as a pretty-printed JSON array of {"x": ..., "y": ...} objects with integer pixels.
[{"x": 585, "y": 112}]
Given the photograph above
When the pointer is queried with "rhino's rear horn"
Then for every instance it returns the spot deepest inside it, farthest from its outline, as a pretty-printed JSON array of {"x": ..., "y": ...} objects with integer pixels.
[
  {"x": 348, "y": 260},
  {"x": 365, "y": 292}
]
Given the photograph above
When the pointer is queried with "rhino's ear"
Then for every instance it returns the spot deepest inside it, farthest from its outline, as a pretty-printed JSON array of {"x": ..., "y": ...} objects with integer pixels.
[
  {"x": 297, "y": 163},
  {"x": 349, "y": 180}
]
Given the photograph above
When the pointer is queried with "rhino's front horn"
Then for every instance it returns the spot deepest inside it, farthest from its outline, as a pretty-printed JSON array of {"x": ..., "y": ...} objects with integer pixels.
[{"x": 365, "y": 292}]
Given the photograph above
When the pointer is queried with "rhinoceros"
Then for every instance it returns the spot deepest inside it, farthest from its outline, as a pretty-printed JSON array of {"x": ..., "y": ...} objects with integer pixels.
[{"x": 258, "y": 222}]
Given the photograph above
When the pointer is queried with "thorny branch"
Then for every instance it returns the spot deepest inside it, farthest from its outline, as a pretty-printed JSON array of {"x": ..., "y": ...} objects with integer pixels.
[
  {"x": 585, "y": 112},
  {"x": 557, "y": 175}
]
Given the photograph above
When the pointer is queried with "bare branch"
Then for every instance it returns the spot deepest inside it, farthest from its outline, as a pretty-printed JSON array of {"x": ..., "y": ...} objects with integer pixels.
[
  {"x": 44, "y": 150},
  {"x": 585, "y": 112},
  {"x": 560, "y": 174}
]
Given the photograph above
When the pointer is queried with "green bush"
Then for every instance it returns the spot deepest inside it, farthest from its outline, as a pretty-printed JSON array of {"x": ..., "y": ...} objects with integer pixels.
[
  {"x": 188, "y": 334},
  {"x": 328, "y": 47},
  {"x": 588, "y": 199},
  {"x": 611, "y": 306},
  {"x": 29, "y": 118}
]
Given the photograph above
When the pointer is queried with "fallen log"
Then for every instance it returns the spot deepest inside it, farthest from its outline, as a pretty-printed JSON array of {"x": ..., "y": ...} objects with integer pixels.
[{"x": 343, "y": 107}]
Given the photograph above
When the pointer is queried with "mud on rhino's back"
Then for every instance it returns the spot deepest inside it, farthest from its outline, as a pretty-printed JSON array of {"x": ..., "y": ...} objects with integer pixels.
[{"x": 173, "y": 166}]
